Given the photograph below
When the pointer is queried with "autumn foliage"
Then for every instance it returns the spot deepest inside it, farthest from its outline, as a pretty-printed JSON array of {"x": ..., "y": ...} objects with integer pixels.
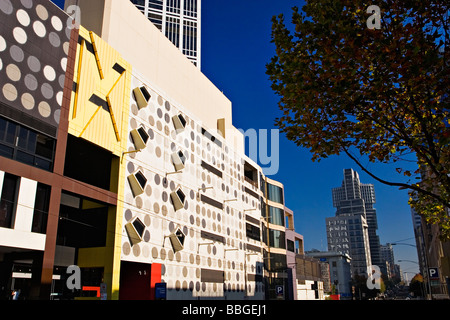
[{"x": 374, "y": 94}]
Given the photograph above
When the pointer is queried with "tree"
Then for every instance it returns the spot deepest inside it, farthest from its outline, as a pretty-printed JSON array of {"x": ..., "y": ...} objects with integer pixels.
[
  {"x": 416, "y": 286},
  {"x": 374, "y": 94}
]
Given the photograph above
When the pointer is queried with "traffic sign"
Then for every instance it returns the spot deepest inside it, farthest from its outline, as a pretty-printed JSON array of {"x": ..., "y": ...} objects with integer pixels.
[
  {"x": 279, "y": 290},
  {"x": 433, "y": 273}
]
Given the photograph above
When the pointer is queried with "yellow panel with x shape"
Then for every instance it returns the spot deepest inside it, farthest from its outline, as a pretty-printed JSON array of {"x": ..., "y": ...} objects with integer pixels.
[{"x": 100, "y": 101}]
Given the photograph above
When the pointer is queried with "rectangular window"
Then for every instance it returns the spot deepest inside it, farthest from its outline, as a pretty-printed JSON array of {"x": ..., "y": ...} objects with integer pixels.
[
  {"x": 190, "y": 38},
  {"x": 82, "y": 223},
  {"x": 155, "y": 4},
  {"x": 173, "y": 6},
  {"x": 291, "y": 245},
  {"x": 250, "y": 174},
  {"x": 274, "y": 193},
  {"x": 263, "y": 208},
  {"x": 277, "y": 239},
  {"x": 262, "y": 184},
  {"x": 25, "y": 145},
  {"x": 156, "y": 19},
  {"x": 41, "y": 206},
  {"x": 276, "y": 216},
  {"x": 89, "y": 163},
  {"x": 190, "y": 8},
  {"x": 8, "y": 200},
  {"x": 173, "y": 30},
  {"x": 253, "y": 232}
]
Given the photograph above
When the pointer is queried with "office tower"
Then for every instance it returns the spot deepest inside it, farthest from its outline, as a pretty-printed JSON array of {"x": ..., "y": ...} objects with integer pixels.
[
  {"x": 387, "y": 258},
  {"x": 368, "y": 194},
  {"x": 420, "y": 241},
  {"x": 353, "y": 229},
  {"x": 178, "y": 20}
]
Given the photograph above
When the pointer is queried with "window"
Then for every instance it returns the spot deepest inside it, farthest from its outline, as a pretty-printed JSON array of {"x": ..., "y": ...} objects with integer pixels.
[
  {"x": 156, "y": 19},
  {"x": 41, "y": 207},
  {"x": 141, "y": 179},
  {"x": 90, "y": 163},
  {"x": 262, "y": 184},
  {"x": 263, "y": 208},
  {"x": 253, "y": 232},
  {"x": 274, "y": 193},
  {"x": 25, "y": 145},
  {"x": 277, "y": 262},
  {"x": 291, "y": 245},
  {"x": 155, "y": 4},
  {"x": 8, "y": 200},
  {"x": 277, "y": 239},
  {"x": 173, "y": 30},
  {"x": 190, "y": 8},
  {"x": 173, "y": 6},
  {"x": 250, "y": 174},
  {"x": 276, "y": 216},
  {"x": 82, "y": 223},
  {"x": 190, "y": 38}
]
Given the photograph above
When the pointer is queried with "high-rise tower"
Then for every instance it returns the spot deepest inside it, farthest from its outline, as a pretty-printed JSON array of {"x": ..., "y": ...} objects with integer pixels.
[
  {"x": 353, "y": 229},
  {"x": 178, "y": 20}
]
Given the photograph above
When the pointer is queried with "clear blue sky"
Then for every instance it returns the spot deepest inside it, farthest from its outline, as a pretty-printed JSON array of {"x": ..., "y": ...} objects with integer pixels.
[{"x": 236, "y": 47}]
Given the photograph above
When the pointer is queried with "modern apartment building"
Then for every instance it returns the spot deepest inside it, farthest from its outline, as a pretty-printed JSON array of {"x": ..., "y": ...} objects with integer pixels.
[
  {"x": 109, "y": 163},
  {"x": 179, "y": 21},
  {"x": 353, "y": 229}
]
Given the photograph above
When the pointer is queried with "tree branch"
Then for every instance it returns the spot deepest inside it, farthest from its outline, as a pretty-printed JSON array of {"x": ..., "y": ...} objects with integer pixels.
[{"x": 396, "y": 184}]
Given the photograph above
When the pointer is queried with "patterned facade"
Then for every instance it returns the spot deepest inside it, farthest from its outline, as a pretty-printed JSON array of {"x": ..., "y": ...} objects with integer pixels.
[{"x": 121, "y": 173}]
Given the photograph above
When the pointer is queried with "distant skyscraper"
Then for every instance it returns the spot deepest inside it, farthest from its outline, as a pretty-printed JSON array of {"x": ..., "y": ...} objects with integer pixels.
[
  {"x": 387, "y": 256},
  {"x": 353, "y": 229},
  {"x": 420, "y": 241},
  {"x": 179, "y": 20}
]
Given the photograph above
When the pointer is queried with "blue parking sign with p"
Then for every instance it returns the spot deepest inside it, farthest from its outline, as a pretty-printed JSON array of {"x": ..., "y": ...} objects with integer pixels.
[
  {"x": 433, "y": 273},
  {"x": 279, "y": 290}
]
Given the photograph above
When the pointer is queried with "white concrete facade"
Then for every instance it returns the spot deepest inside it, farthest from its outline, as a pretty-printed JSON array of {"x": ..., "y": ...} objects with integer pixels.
[
  {"x": 216, "y": 258},
  {"x": 20, "y": 234}
]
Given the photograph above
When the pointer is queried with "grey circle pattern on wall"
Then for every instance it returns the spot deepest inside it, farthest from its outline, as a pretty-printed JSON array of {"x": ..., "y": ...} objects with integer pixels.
[
  {"x": 183, "y": 269},
  {"x": 33, "y": 57}
]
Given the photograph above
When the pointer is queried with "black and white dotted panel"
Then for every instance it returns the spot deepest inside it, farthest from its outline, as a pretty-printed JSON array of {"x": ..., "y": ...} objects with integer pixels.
[
  {"x": 182, "y": 269},
  {"x": 34, "y": 45}
]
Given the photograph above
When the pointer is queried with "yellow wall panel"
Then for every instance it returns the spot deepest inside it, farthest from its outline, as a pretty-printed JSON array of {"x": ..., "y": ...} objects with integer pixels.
[
  {"x": 91, "y": 257},
  {"x": 97, "y": 74},
  {"x": 96, "y": 121}
]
